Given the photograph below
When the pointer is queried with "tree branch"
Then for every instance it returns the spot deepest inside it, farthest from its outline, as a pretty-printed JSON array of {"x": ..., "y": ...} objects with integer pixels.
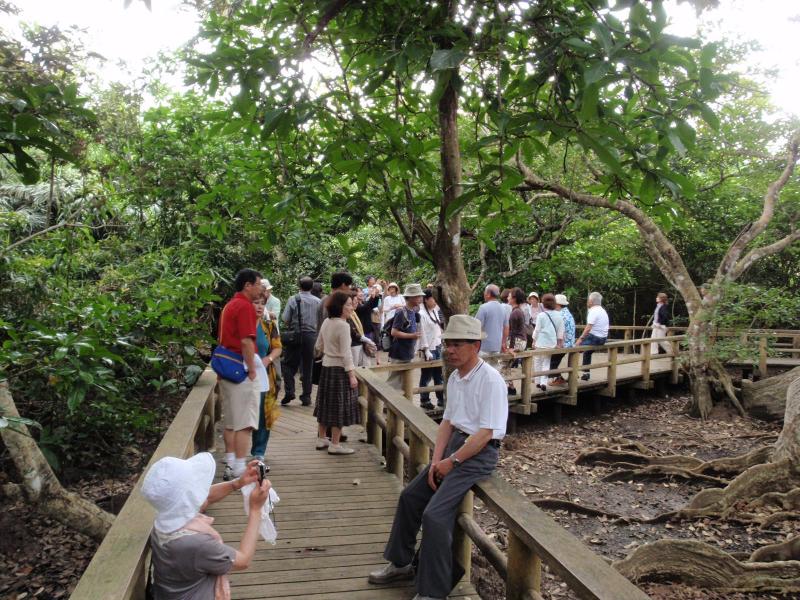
[
  {"x": 756, "y": 228},
  {"x": 334, "y": 9},
  {"x": 482, "y": 273},
  {"x": 762, "y": 252}
]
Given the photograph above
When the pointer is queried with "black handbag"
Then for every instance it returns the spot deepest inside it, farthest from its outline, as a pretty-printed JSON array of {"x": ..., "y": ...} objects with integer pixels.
[{"x": 291, "y": 336}]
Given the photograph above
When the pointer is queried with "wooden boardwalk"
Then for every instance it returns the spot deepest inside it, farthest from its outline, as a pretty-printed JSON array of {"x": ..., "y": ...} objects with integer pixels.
[{"x": 333, "y": 520}]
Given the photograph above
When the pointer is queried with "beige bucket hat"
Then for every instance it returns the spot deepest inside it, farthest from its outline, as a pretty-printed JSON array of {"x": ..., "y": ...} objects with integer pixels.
[
  {"x": 413, "y": 289},
  {"x": 267, "y": 285},
  {"x": 463, "y": 327},
  {"x": 561, "y": 300},
  {"x": 394, "y": 285}
]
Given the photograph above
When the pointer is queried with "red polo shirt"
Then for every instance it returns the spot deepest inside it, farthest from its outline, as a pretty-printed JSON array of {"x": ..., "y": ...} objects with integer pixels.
[{"x": 238, "y": 321}]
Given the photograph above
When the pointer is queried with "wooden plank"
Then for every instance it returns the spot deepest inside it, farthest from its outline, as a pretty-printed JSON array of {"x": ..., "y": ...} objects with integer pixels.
[{"x": 336, "y": 589}]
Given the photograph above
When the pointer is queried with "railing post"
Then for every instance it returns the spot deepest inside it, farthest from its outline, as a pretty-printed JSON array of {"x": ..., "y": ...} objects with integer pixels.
[
  {"x": 363, "y": 392},
  {"x": 674, "y": 377},
  {"x": 408, "y": 383},
  {"x": 419, "y": 453},
  {"x": 461, "y": 541},
  {"x": 762, "y": 356},
  {"x": 611, "y": 376},
  {"x": 646, "y": 349},
  {"x": 394, "y": 458},
  {"x": 573, "y": 375},
  {"x": 524, "y": 570},
  {"x": 525, "y": 389},
  {"x": 627, "y": 337},
  {"x": 209, "y": 437}
]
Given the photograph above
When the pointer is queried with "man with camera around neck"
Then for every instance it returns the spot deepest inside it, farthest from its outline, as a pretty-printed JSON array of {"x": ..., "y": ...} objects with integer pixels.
[{"x": 466, "y": 451}]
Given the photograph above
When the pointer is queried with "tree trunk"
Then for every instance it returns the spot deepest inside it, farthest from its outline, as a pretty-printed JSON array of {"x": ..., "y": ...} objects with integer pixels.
[
  {"x": 697, "y": 338},
  {"x": 40, "y": 485},
  {"x": 766, "y": 399},
  {"x": 451, "y": 278}
]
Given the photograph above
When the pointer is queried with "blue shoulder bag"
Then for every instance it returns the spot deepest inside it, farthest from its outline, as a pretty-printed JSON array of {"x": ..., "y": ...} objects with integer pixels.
[{"x": 227, "y": 363}]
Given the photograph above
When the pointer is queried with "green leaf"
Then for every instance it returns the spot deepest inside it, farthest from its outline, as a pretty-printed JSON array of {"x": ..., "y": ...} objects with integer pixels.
[
  {"x": 349, "y": 166},
  {"x": 675, "y": 140},
  {"x": 648, "y": 190},
  {"x": 589, "y": 103},
  {"x": 595, "y": 73},
  {"x": 579, "y": 44},
  {"x": 442, "y": 60},
  {"x": 603, "y": 153},
  {"x": 709, "y": 116}
]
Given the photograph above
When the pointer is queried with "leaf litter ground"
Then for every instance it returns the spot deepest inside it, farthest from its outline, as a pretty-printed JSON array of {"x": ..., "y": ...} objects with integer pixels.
[{"x": 539, "y": 460}]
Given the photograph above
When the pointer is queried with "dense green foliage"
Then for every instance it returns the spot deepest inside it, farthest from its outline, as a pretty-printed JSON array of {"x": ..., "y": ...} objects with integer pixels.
[{"x": 307, "y": 145}]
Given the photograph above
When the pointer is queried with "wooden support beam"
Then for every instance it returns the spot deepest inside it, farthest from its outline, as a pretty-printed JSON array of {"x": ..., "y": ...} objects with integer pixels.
[
  {"x": 461, "y": 541},
  {"x": 646, "y": 350},
  {"x": 674, "y": 377},
  {"x": 610, "y": 390},
  {"x": 408, "y": 384},
  {"x": 527, "y": 383},
  {"x": 394, "y": 456},
  {"x": 574, "y": 375},
  {"x": 419, "y": 452},
  {"x": 524, "y": 570},
  {"x": 762, "y": 356}
]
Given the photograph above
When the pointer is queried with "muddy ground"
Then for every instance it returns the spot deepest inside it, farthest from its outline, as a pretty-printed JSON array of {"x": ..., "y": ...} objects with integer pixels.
[{"x": 540, "y": 462}]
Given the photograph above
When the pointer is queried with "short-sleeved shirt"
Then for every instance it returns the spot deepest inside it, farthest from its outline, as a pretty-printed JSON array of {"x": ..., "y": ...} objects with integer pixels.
[
  {"x": 479, "y": 400},
  {"x": 569, "y": 328},
  {"x": 238, "y": 322},
  {"x": 187, "y": 567},
  {"x": 493, "y": 317},
  {"x": 549, "y": 328},
  {"x": 406, "y": 321},
  {"x": 597, "y": 317},
  {"x": 516, "y": 324}
]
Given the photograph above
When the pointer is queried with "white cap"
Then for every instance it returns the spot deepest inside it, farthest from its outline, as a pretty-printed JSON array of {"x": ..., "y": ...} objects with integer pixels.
[
  {"x": 177, "y": 488},
  {"x": 533, "y": 294},
  {"x": 267, "y": 285},
  {"x": 561, "y": 300}
]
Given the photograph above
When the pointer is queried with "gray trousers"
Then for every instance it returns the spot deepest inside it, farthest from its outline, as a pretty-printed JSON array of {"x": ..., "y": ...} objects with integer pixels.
[{"x": 436, "y": 512}]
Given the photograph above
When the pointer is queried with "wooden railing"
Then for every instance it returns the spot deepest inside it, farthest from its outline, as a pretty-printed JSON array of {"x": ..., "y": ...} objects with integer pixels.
[
  {"x": 618, "y": 353},
  {"x": 117, "y": 570},
  {"x": 405, "y": 435}
]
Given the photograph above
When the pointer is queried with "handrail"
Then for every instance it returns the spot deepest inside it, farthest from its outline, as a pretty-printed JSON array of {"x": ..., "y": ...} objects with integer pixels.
[
  {"x": 533, "y": 536},
  {"x": 118, "y": 568},
  {"x": 619, "y": 353}
]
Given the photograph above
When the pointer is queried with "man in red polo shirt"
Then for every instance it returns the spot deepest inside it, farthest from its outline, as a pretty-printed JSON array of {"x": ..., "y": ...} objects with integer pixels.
[{"x": 237, "y": 332}]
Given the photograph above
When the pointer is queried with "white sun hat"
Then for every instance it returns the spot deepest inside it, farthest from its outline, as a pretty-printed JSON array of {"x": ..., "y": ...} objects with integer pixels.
[
  {"x": 177, "y": 488},
  {"x": 561, "y": 300}
]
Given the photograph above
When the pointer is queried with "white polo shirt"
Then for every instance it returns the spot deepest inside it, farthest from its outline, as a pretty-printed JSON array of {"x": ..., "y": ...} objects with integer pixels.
[
  {"x": 597, "y": 317},
  {"x": 479, "y": 400}
]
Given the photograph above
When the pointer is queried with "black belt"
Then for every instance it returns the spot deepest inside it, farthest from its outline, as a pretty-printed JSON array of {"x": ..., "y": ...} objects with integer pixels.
[{"x": 494, "y": 443}]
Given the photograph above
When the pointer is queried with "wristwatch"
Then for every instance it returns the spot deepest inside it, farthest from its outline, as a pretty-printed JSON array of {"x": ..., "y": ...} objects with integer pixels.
[{"x": 455, "y": 461}]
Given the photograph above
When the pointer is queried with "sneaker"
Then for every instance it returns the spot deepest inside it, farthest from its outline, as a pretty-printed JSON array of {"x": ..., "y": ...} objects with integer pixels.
[
  {"x": 585, "y": 377},
  {"x": 322, "y": 443},
  {"x": 339, "y": 449},
  {"x": 227, "y": 474},
  {"x": 426, "y": 405},
  {"x": 391, "y": 573}
]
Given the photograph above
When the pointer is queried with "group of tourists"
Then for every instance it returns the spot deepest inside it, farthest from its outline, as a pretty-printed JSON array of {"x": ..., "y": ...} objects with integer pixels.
[{"x": 324, "y": 338}]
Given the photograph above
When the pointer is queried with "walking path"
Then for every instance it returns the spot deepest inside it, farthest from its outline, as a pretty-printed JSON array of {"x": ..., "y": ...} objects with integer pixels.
[{"x": 333, "y": 520}]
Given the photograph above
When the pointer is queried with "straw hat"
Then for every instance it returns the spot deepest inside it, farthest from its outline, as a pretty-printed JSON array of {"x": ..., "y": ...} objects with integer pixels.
[
  {"x": 561, "y": 300},
  {"x": 177, "y": 488},
  {"x": 394, "y": 285},
  {"x": 463, "y": 327},
  {"x": 413, "y": 289}
]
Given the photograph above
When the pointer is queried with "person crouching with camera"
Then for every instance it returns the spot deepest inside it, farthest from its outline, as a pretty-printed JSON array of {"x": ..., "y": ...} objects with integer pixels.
[{"x": 189, "y": 557}]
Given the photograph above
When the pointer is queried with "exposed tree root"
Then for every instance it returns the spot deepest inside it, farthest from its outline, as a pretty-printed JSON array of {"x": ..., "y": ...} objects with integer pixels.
[
  {"x": 661, "y": 472},
  {"x": 41, "y": 487},
  {"x": 719, "y": 377},
  {"x": 699, "y": 564},
  {"x": 573, "y": 507},
  {"x": 788, "y": 550}
]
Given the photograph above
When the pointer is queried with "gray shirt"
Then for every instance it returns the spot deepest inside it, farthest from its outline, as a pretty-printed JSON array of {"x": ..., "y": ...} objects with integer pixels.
[
  {"x": 493, "y": 317},
  {"x": 186, "y": 568},
  {"x": 309, "y": 305}
]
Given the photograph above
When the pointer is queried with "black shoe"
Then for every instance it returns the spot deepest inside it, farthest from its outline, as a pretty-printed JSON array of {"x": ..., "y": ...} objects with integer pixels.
[
  {"x": 426, "y": 405},
  {"x": 286, "y": 400},
  {"x": 542, "y": 387},
  {"x": 511, "y": 391},
  {"x": 305, "y": 402},
  {"x": 585, "y": 377}
]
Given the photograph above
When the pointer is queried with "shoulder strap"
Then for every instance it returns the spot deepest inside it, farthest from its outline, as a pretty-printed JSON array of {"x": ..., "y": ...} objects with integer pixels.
[
  {"x": 299, "y": 314},
  {"x": 555, "y": 329}
]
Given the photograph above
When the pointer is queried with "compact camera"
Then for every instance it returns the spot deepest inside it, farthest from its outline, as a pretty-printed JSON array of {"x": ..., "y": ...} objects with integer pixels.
[{"x": 262, "y": 471}]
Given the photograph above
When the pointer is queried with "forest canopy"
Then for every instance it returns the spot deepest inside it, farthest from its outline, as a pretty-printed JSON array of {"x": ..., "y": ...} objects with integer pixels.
[{"x": 443, "y": 143}]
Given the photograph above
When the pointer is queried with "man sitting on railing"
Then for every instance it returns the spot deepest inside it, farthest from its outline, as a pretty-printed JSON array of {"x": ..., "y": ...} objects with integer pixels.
[
  {"x": 466, "y": 450},
  {"x": 596, "y": 331}
]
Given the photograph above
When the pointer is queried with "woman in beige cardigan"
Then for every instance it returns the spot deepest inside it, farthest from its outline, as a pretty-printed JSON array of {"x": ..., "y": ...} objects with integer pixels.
[{"x": 337, "y": 394}]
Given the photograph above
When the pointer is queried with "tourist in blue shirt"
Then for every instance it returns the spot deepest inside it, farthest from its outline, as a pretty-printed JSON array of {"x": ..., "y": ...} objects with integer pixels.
[{"x": 569, "y": 336}]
